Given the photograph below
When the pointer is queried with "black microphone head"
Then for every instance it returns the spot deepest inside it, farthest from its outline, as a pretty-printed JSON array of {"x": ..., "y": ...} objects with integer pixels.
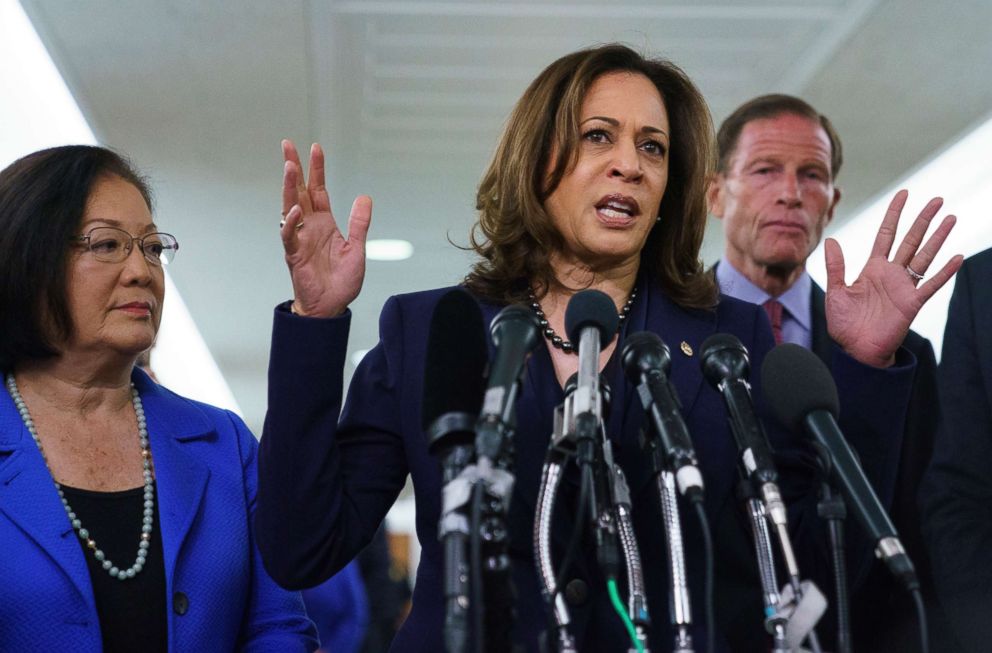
[
  {"x": 454, "y": 381},
  {"x": 591, "y": 308},
  {"x": 796, "y": 382},
  {"x": 643, "y": 352},
  {"x": 518, "y": 322},
  {"x": 723, "y": 357}
]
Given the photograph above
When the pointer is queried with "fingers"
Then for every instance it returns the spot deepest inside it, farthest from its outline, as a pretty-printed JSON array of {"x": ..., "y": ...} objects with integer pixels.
[
  {"x": 289, "y": 152},
  {"x": 923, "y": 258},
  {"x": 294, "y": 190},
  {"x": 360, "y": 218},
  {"x": 834, "y": 257},
  {"x": 288, "y": 231},
  {"x": 937, "y": 281},
  {"x": 887, "y": 232},
  {"x": 907, "y": 250},
  {"x": 315, "y": 184},
  {"x": 290, "y": 196}
]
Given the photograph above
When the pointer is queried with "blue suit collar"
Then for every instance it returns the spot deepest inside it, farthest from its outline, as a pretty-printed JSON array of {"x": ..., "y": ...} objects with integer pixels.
[
  {"x": 29, "y": 498},
  {"x": 174, "y": 423}
]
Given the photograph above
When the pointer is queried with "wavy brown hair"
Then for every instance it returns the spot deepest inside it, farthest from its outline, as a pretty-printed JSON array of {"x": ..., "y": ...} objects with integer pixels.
[{"x": 514, "y": 235}]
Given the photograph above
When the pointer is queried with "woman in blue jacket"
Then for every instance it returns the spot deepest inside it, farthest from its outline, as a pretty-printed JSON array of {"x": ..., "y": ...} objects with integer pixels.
[
  {"x": 125, "y": 509},
  {"x": 598, "y": 182}
]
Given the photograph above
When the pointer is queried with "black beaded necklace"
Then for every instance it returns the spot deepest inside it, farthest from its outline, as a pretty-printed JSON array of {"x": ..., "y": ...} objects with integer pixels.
[{"x": 559, "y": 342}]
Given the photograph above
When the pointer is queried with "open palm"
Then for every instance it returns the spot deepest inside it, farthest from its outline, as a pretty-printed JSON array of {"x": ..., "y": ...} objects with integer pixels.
[
  {"x": 870, "y": 317},
  {"x": 327, "y": 268}
]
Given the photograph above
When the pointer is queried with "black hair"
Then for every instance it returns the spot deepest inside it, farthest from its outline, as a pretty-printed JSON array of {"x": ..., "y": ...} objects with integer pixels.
[{"x": 42, "y": 200}]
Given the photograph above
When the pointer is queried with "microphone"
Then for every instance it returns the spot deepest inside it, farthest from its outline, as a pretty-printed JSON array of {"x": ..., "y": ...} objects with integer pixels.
[
  {"x": 646, "y": 362},
  {"x": 726, "y": 366},
  {"x": 591, "y": 321},
  {"x": 453, "y": 388},
  {"x": 803, "y": 396},
  {"x": 516, "y": 333}
]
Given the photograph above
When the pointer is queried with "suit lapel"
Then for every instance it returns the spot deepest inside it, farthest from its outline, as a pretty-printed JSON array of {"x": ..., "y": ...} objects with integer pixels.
[
  {"x": 818, "y": 327},
  {"x": 29, "y": 499},
  {"x": 180, "y": 477}
]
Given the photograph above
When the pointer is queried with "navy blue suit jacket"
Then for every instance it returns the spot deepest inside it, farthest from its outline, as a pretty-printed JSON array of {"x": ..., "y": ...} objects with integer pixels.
[
  {"x": 326, "y": 484},
  {"x": 956, "y": 494},
  {"x": 205, "y": 479}
]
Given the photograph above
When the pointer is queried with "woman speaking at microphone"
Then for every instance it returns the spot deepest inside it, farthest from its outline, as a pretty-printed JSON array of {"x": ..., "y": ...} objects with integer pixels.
[{"x": 597, "y": 182}]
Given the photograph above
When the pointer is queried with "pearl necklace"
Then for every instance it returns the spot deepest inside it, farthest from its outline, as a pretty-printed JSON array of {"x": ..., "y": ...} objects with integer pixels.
[
  {"x": 146, "y": 461},
  {"x": 557, "y": 340}
]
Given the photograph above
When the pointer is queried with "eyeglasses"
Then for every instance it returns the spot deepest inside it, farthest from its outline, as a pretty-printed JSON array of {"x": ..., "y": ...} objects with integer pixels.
[{"x": 112, "y": 245}]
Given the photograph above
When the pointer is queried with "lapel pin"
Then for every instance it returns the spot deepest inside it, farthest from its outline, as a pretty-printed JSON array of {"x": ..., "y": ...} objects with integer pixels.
[{"x": 686, "y": 349}]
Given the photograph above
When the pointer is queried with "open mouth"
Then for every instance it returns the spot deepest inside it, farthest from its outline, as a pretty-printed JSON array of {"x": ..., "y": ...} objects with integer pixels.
[{"x": 617, "y": 208}]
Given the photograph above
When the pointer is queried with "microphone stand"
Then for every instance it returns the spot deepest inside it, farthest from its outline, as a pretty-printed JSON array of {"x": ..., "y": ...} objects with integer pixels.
[
  {"x": 775, "y": 620},
  {"x": 680, "y": 610},
  {"x": 453, "y": 527},
  {"x": 559, "y": 453},
  {"x": 725, "y": 366},
  {"x": 609, "y": 503},
  {"x": 831, "y": 507},
  {"x": 637, "y": 603},
  {"x": 491, "y": 491}
]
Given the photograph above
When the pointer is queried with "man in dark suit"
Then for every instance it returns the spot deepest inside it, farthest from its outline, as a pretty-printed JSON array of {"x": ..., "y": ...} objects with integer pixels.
[
  {"x": 957, "y": 490},
  {"x": 774, "y": 192}
]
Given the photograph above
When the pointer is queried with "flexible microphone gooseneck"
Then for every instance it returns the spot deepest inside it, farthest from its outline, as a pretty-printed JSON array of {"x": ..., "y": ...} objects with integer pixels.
[
  {"x": 646, "y": 362},
  {"x": 591, "y": 320},
  {"x": 453, "y": 388},
  {"x": 802, "y": 395},
  {"x": 726, "y": 366}
]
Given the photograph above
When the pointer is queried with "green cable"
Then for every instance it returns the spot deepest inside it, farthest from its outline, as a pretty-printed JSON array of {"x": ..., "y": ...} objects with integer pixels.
[{"x": 618, "y": 606}]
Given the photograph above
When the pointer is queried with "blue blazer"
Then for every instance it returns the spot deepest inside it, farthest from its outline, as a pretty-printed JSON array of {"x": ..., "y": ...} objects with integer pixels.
[
  {"x": 205, "y": 468},
  {"x": 325, "y": 484}
]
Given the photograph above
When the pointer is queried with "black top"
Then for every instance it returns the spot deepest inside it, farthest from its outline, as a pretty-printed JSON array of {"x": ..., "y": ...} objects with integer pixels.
[{"x": 132, "y": 611}]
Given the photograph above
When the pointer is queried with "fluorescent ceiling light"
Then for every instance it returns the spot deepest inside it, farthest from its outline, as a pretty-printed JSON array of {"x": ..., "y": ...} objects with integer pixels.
[
  {"x": 38, "y": 112},
  {"x": 385, "y": 249},
  {"x": 962, "y": 175}
]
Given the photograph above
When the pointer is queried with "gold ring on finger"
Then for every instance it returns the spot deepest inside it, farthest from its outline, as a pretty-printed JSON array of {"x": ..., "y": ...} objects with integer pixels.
[{"x": 299, "y": 225}]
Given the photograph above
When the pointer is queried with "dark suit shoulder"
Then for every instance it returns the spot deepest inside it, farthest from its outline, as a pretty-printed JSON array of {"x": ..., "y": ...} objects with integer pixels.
[
  {"x": 422, "y": 298},
  {"x": 980, "y": 263}
]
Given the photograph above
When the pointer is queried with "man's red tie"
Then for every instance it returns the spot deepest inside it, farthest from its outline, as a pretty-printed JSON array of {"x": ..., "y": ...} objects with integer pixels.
[{"x": 774, "y": 310}]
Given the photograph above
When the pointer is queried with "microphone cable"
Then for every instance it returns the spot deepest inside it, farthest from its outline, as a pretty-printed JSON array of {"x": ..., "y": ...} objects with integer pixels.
[
  {"x": 921, "y": 618},
  {"x": 704, "y": 528},
  {"x": 611, "y": 587}
]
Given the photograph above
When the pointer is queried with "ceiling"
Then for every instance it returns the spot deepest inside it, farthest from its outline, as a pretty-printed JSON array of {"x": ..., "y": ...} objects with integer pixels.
[{"x": 408, "y": 99}]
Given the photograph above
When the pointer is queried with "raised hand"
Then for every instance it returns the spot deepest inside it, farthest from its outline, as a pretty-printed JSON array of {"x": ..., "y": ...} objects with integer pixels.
[
  {"x": 870, "y": 318},
  {"x": 326, "y": 267}
]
